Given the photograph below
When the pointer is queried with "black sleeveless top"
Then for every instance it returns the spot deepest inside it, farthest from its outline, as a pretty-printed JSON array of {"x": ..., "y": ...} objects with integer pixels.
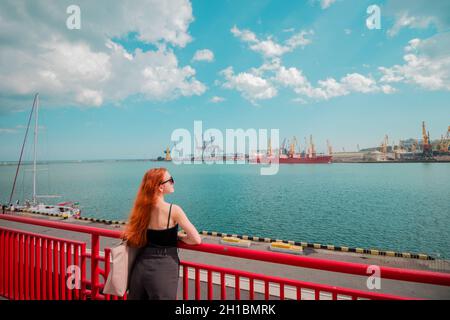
[{"x": 165, "y": 237}]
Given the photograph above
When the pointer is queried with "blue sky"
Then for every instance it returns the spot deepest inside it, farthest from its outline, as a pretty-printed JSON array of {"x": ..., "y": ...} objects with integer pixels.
[{"x": 119, "y": 86}]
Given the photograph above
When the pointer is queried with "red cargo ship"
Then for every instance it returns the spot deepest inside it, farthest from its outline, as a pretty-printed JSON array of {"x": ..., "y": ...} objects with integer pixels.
[
  {"x": 295, "y": 160},
  {"x": 289, "y": 156}
]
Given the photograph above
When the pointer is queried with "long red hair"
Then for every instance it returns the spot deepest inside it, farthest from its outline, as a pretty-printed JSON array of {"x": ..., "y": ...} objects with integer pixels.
[{"x": 136, "y": 229}]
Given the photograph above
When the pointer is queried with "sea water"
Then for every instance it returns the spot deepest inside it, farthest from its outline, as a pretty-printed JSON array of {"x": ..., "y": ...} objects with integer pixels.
[{"x": 401, "y": 207}]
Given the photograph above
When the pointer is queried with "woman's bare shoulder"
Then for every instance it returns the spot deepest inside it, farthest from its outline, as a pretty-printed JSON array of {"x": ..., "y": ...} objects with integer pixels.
[{"x": 176, "y": 210}]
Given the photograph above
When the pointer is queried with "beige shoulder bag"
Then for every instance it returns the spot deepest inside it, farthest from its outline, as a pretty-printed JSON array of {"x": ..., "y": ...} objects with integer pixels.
[{"x": 123, "y": 257}]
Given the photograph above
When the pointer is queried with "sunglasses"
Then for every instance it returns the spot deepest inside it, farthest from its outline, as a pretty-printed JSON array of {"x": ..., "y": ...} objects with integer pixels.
[{"x": 171, "y": 181}]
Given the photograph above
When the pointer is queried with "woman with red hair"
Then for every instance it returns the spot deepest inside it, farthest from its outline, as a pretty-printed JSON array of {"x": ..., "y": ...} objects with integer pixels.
[{"x": 153, "y": 227}]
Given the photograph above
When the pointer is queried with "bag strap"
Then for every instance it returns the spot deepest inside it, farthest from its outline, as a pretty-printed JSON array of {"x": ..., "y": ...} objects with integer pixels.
[{"x": 168, "y": 220}]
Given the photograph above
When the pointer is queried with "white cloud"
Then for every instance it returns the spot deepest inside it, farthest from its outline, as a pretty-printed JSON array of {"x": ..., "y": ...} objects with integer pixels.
[
  {"x": 328, "y": 88},
  {"x": 291, "y": 77},
  {"x": 324, "y": 4},
  {"x": 84, "y": 67},
  {"x": 244, "y": 35},
  {"x": 387, "y": 89},
  {"x": 299, "y": 39},
  {"x": 359, "y": 83},
  {"x": 90, "y": 97},
  {"x": 404, "y": 20},
  {"x": 270, "y": 48},
  {"x": 18, "y": 128},
  {"x": 251, "y": 86},
  {"x": 155, "y": 75},
  {"x": 203, "y": 55},
  {"x": 7, "y": 130},
  {"x": 57, "y": 67},
  {"x": 426, "y": 64},
  {"x": 268, "y": 66},
  {"x": 217, "y": 99},
  {"x": 299, "y": 100},
  {"x": 263, "y": 83},
  {"x": 418, "y": 14}
]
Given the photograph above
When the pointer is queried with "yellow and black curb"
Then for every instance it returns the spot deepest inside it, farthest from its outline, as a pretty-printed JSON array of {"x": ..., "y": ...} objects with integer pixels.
[
  {"x": 326, "y": 247},
  {"x": 270, "y": 240},
  {"x": 60, "y": 215},
  {"x": 100, "y": 220},
  {"x": 65, "y": 216}
]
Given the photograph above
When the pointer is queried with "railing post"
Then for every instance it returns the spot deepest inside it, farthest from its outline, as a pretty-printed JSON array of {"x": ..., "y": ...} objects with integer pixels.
[
  {"x": 78, "y": 293},
  {"x": 223, "y": 288},
  {"x": 237, "y": 288},
  {"x": 11, "y": 266},
  {"x": 266, "y": 290},
  {"x": 95, "y": 249},
  {"x": 251, "y": 294},
  {"x": 16, "y": 266},
  {"x": 38, "y": 269},
  {"x": 107, "y": 268},
  {"x": 185, "y": 283},
  {"x": 32, "y": 268},
  {"x": 27, "y": 268},
  {"x": 197, "y": 284},
  {"x": 299, "y": 293},
  {"x": 2, "y": 260},
  {"x": 82, "y": 249},
  {"x": 210, "y": 285},
  {"x": 62, "y": 270},
  {"x": 69, "y": 263}
]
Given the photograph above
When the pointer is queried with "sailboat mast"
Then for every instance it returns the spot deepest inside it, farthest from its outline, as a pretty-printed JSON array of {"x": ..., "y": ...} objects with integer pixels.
[
  {"x": 21, "y": 151},
  {"x": 35, "y": 148}
]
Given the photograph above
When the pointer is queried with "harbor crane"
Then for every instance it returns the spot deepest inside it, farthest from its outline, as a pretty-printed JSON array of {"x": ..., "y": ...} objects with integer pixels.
[
  {"x": 292, "y": 147},
  {"x": 312, "y": 148},
  {"x": 269, "y": 148},
  {"x": 384, "y": 147},
  {"x": 427, "y": 150},
  {"x": 330, "y": 148},
  {"x": 168, "y": 153}
]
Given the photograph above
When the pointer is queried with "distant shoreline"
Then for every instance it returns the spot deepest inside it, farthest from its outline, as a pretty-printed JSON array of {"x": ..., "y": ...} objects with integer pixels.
[{"x": 10, "y": 163}]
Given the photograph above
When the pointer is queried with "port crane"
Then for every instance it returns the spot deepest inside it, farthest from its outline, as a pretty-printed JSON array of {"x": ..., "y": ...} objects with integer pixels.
[
  {"x": 207, "y": 145},
  {"x": 306, "y": 147},
  {"x": 269, "y": 148},
  {"x": 414, "y": 146},
  {"x": 283, "y": 147},
  {"x": 330, "y": 148},
  {"x": 384, "y": 147},
  {"x": 427, "y": 150},
  {"x": 445, "y": 142},
  {"x": 292, "y": 147},
  {"x": 168, "y": 153},
  {"x": 312, "y": 148}
]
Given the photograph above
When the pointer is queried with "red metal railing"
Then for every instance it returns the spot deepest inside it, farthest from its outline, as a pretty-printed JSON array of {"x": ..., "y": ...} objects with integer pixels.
[
  {"x": 16, "y": 259},
  {"x": 34, "y": 267}
]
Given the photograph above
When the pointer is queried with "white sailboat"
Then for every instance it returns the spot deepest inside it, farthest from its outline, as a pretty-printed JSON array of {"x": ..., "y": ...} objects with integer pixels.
[{"x": 66, "y": 209}]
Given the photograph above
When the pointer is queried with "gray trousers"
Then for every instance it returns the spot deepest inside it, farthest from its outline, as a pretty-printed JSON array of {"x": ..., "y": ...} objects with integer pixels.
[{"x": 155, "y": 274}]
